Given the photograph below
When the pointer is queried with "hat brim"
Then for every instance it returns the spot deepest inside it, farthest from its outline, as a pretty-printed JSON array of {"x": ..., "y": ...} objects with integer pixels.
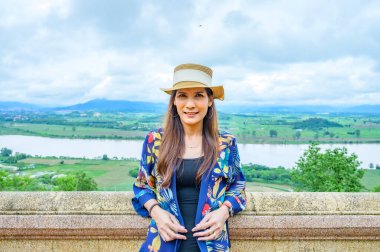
[{"x": 218, "y": 91}]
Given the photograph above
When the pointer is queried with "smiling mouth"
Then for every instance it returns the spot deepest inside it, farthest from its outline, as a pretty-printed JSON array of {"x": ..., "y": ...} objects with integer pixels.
[{"x": 190, "y": 113}]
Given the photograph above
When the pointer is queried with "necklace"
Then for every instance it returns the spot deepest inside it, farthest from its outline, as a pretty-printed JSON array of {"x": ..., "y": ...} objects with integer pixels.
[{"x": 192, "y": 147}]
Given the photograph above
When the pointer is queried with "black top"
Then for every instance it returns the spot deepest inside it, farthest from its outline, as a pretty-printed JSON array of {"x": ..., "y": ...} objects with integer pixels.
[{"x": 187, "y": 195}]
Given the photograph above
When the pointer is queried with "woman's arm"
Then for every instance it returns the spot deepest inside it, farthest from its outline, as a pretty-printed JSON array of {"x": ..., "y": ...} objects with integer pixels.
[
  {"x": 212, "y": 224},
  {"x": 145, "y": 202},
  {"x": 167, "y": 224},
  {"x": 144, "y": 186},
  {"x": 235, "y": 191}
]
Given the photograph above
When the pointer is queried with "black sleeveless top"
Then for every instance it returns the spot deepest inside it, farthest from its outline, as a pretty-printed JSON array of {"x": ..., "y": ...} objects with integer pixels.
[{"x": 187, "y": 195}]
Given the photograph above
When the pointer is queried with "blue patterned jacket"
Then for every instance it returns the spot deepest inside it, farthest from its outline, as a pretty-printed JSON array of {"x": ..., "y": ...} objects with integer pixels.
[{"x": 225, "y": 182}]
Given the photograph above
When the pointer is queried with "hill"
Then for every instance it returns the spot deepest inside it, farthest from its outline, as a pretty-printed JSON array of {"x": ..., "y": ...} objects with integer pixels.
[
  {"x": 104, "y": 105},
  {"x": 117, "y": 105}
]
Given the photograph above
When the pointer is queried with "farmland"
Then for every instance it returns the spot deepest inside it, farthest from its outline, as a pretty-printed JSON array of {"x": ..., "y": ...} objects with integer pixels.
[{"x": 270, "y": 128}]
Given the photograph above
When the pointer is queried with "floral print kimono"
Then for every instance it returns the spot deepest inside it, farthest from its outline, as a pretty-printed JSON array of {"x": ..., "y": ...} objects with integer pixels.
[{"x": 225, "y": 182}]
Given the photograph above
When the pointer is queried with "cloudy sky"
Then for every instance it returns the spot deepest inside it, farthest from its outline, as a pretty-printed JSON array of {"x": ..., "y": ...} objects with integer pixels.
[{"x": 62, "y": 52}]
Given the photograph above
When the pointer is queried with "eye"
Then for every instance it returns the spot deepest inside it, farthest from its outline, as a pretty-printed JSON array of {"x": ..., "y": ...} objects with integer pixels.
[
  {"x": 199, "y": 95},
  {"x": 181, "y": 95}
]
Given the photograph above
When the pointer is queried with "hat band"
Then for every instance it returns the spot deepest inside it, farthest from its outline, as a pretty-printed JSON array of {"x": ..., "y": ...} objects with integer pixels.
[
  {"x": 187, "y": 84},
  {"x": 191, "y": 75}
]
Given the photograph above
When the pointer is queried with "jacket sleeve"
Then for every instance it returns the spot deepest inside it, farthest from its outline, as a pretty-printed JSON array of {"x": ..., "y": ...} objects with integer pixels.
[
  {"x": 235, "y": 191},
  {"x": 144, "y": 186}
]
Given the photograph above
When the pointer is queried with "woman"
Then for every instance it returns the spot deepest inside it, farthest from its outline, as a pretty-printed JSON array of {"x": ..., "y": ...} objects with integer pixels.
[{"x": 190, "y": 180}]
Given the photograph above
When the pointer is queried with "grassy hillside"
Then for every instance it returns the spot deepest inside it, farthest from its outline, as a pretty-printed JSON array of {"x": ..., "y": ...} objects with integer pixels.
[
  {"x": 110, "y": 175},
  {"x": 371, "y": 179}
]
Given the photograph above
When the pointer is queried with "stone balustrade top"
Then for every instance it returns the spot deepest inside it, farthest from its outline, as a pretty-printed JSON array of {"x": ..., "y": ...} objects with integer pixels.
[
  {"x": 272, "y": 221},
  {"x": 260, "y": 203}
]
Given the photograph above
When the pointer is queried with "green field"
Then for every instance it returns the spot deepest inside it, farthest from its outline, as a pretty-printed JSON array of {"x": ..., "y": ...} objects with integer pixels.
[
  {"x": 110, "y": 175},
  {"x": 248, "y": 128},
  {"x": 61, "y": 131},
  {"x": 256, "y": 128},
  {"x": 371, "y": 179},
  {"x": 268, "y": 187},
  {"x": 113, "y": 175}
]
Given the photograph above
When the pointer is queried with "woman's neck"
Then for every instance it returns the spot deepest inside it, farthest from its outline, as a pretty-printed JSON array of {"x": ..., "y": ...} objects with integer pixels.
[
  {"x": 193, "y": 142},
  {"x": 193, "y": 131}
]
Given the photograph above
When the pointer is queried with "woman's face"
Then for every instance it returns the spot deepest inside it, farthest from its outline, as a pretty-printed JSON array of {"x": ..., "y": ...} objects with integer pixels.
[{"x": 192, "y": 105}]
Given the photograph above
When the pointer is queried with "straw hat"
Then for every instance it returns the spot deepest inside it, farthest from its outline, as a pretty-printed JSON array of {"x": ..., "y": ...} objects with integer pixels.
[{"x": 193, "y": 75}]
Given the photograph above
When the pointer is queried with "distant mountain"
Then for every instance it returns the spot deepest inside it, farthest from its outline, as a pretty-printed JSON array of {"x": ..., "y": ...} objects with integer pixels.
[
  {"x": 274, "y": 109},
  {"x": 133, "y": 106},
  {"x": 17, "y": 106},
  {"x": 117, "y": 105},
  {"x": 103, "y": 105},
  {"x": 363, "y": 109},
  {"x": 373, "y": 109}
]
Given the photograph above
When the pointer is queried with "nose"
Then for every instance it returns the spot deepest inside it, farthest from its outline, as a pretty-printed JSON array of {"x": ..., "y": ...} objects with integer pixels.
[{"x": 190, "y": 103}]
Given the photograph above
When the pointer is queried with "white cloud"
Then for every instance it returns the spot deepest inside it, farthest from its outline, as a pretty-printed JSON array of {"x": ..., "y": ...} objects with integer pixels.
[
  {"x": 100, "y": 90},
  {"x": 343, "y": 81},
  {"x": 264, "y": 52},
  {"x": 19, "y": 12}
]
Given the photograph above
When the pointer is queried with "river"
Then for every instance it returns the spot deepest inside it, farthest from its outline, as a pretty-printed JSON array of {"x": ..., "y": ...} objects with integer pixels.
[{"x": 272, "y": 155}]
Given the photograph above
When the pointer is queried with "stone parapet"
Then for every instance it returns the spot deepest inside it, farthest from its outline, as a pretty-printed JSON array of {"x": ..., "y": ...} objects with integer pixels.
[{"x": 106, "y": 221}]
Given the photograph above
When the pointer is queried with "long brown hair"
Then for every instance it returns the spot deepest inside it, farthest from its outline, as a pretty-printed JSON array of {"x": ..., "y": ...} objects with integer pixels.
[{"x": 173, "y": 141}]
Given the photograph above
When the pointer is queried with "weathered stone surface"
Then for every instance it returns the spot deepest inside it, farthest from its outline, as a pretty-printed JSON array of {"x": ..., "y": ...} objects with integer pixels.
[
  {"x": 106, "y": 221},
  {"x": 308, "y": 203},
  {"x": 278, "y": 203},
  {"x": 306, "y": 246},
  {"x": 66, "y": 203}
]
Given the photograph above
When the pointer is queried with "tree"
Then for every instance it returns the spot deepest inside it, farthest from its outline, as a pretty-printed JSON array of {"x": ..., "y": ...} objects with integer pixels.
[
  {"x": 357, "y": 133},
  {"x": 5, "y": 152},
  {"x": 376, "y": 189},
  {"x": 67, "y": 183},
  {"x": 297, "y": 134},
  {"x": 3, "y": 180},
  {"x": 273, "y": 133},
  {"x": 18, "y": 183},
  {"x": 20, "y": 156},
  {"x": 134, "y": 172},
  {"x": 75, "y": 182},
  {"x": 316, "y": 136},
  {"x": 72, "y": 182},
  {"x": 315, "y": 123},
  {"x": 332, "y": 171},
  {"x": 105, "y": 157},
  {"x": 85, "y": 183}
]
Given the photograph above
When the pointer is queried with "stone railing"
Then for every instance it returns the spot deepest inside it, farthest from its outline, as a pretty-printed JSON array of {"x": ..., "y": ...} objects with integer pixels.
[{"x": 106, "y": 221}]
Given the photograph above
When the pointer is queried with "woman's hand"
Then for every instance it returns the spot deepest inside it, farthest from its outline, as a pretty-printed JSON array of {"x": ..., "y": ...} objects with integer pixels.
[
  {"x": 212, "y": 224},
  {"x": 167, "y": 224}
]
